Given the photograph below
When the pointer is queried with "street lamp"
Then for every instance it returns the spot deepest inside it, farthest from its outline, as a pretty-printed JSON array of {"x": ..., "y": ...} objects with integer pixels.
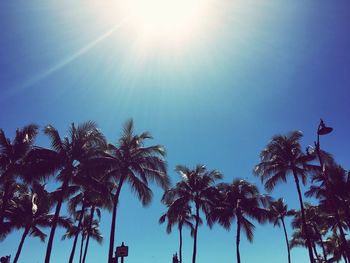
[{"x": 321, "y": 130}]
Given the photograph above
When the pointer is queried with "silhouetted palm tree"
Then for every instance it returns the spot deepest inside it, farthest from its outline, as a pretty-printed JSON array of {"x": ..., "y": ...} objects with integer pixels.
[
  {"x": 180, "y": 215},
  {"x": 333, "y": 194},
  {"x": 278, "y": 212},
  {"x": 130, "y": 161},
  {"x": 88, "y": 229},
  {"x": 65, "y": 157},
  {"x": 93, "y": 194},
  {"x": 31, "y": 212},
  {"x": 240, "y": 201},
  {"x": 12, "y": 155},
  {"x": 334, "y": 248},
  {"x": 281, "y": 157},
  {"x": 318, "y": 223},
  {"x": 197, "y": 187},
  {"x": 92, "y": 229}
]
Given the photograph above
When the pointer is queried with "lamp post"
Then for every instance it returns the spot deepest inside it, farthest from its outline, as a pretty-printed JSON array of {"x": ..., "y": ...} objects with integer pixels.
[{"x": 321, "y": 130}]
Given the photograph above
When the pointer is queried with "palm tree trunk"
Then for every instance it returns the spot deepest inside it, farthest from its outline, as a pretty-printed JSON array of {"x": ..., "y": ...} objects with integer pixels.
[
  {"x": 195, "y": 235},
  {"x": 238, "y": 237},
  {"x": 89, "y": 232},
  {"x": 114, "y": 216},
  {"x": 180, "y": 248},
  {"x": 342, "y": 236},
  {"x": 81, "y": 247},
  {"x": 315, "y": 251},
  {"x": 55, "y": 219},
  {"x": 306, "y": 232},
  {"x": 71, "y": 257},
  {"x": 286, "y": 237},
  {"x": 25, "y": 233},
  {"x": 321, "y": 242}
]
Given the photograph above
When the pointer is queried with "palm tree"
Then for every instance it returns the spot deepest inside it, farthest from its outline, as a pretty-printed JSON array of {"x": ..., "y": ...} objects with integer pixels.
[
  {"x": 197, "y": 187},
  {"x": 67, "y": 154},
  {"x": 88, "y": 229},
  {"x": 240, "y": 201},
  {"x": 278, "y": 212},
  {"x": 12, "y": 155},
  {"x": 318, "y": 223},
  {"x": 334, "y": 248},
  {"x": 92, "y": 229},
  {"x": 333, "y": 194},
  {"x": 281, "y": 157},
  {"x": 15, "y": 190},
  {"x": 93, "y": 194},
  {"x": 130, "y": 161},
  {"x": 32, "y": 212},
  {"x": 182, "y": 217}
]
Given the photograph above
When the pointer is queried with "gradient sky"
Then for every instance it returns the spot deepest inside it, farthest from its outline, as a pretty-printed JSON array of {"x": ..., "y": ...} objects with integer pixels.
[{"x": 251, "y": 70}]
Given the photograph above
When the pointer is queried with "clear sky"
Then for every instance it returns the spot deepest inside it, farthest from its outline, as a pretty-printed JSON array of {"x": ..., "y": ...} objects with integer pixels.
[{"x": 213, "y": 90}]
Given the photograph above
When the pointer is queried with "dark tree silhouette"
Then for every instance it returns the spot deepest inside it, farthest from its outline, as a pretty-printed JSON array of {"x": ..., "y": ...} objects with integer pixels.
[
  {"x": 240, "y": 201},
  {"x": 181, "y": 215},
  {"x": 281, "y": 157},
  {"x": 132, "y": 162},
  {"x": 196, "y": 187}
]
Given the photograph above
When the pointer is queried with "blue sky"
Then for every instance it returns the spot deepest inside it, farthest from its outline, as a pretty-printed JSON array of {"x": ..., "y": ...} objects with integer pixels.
[{"x": 254, "y": 69}]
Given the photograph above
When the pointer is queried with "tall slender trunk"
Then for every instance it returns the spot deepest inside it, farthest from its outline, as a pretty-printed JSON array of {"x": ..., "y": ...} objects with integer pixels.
[
  {"x": 180, "y": 248},
  {"x": 286, "y": 237},
  {"x": 305, "y": 230},
  {"x": 315, "y": 251},
  {"x": 114, "y": 216},
  {"x": 81, "y": 248},
  {"x": 25, "y": 233},
  {"x": 344, "y": 243},
  {"x": 195, "y": 235},
  {"x": 55, "y": 219},
  {"x": 238, "y": 237},
  {"x": 321, "y": 242},
  {"x": 89, "y": 232},
  {"x": 71, "y": 257}
]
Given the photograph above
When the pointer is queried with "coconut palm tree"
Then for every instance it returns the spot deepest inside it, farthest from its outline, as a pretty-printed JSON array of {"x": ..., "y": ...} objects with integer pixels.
[
  {"x": 334, "y": 248},
  {"x": 318, "y": 222},
  {"x": 281, "y": 157},
  {"x": 278, "y": 211},
  {"x": 180, "y": 215},
  {"x": 131, "y": 162},
  {"x": 240, "y": 201},
  {"x": 89, "y": 229},
  {"x": 94, "y": 193},
  {"x": 15, "y": 190},
  {"x": 197, "y": 188},
  {"x": 333, "y": 193},
  {"x": 12, "y": 154},
  {"x": 32, "y": 211},
  {"x": 83, "y": 142},
  {"x": 92, "y": 229}
]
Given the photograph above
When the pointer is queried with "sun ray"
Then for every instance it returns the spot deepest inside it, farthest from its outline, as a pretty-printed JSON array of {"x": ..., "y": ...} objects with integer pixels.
[{"x": 64, "y": 62}]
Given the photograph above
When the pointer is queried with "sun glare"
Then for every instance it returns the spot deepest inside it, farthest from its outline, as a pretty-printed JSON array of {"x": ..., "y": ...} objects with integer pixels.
[{"x": 167, "y": 20}]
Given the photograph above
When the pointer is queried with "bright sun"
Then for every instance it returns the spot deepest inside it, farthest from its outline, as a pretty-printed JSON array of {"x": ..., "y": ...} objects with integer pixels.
[{"x": 166, "y": 20}]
